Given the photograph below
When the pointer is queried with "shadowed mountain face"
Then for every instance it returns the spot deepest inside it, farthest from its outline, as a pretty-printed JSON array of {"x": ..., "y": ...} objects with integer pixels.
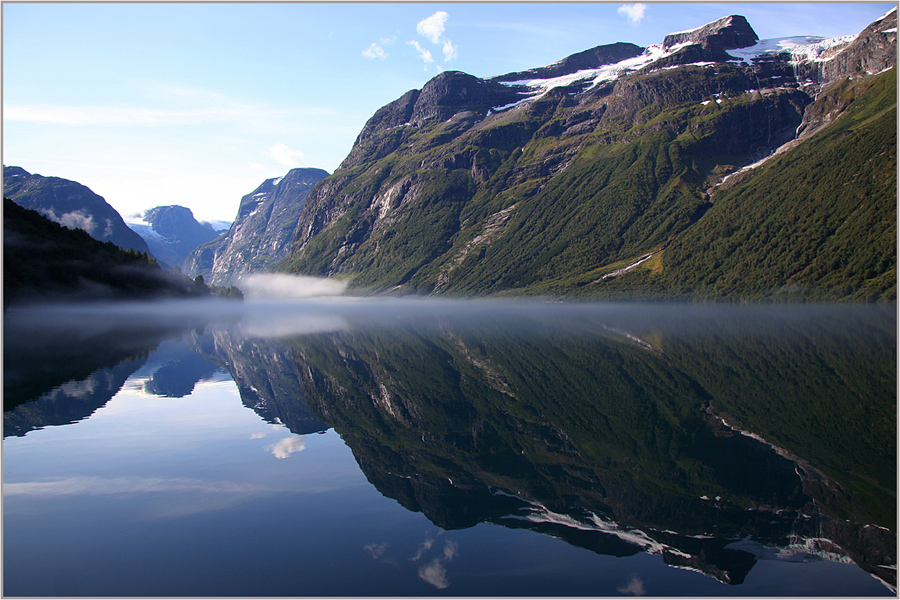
[
  {"x": 70, "y": 204},
  {"x": 46, "y": 262},
  {"x": 609, "y": 172}
]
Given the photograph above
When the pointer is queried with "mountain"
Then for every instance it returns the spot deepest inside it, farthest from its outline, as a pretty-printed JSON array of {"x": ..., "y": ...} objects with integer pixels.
[
  {"x": 626, "y": 171},
  {"x": 70, "y": 204},
  {"x": 172, "y": 232},
  {"x": 261, "y": 233},
  {"x": 44, "y": 261}
]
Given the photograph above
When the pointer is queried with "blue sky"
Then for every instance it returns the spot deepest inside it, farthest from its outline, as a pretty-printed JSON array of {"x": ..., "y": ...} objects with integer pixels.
[{"x": 152, "y": 104}]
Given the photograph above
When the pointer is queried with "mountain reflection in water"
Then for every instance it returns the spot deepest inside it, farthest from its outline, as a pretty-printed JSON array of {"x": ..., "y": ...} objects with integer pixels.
[{"x": 711, "y": 436}]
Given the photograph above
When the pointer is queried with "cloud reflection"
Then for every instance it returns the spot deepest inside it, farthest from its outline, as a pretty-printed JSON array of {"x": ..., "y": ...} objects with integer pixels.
[
  {"x": 287, "y": 446},
  {"x": 423, "y": 548},
  {"x": 376, "y": 550},
  {"x": 101, "y": 486},
  {"x": 435, "y": 571},
  {"x": 634, "y": 587}
]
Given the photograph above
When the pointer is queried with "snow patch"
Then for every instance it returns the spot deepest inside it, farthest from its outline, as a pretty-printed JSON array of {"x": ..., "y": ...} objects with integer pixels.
[
  {"x": 145, "y": 230},
  {"x": 801, "y": 48},
  {"x": 594, "y": 77},
  {"x": 218, "y": 225}
]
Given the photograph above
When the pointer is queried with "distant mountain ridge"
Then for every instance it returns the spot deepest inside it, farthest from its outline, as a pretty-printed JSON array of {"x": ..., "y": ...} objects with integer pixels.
[
  {"x": 70, "y": 204},
  {"x": 262, "y": 231},
  {"x": 172, "y": 232},
  {"x": 575, "y": 178}
]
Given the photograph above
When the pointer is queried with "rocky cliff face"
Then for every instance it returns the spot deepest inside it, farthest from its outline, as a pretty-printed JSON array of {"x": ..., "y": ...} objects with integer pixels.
[
  {"x": 522, "y": 181},
  {"x": 261, "y": 233},
  {"x": 872, "y": 51},
  {"x": 70, "y": 204}
]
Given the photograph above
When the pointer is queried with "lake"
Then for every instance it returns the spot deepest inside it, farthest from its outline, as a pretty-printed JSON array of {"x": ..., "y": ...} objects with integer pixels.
[{"x": 362, "y": 447}]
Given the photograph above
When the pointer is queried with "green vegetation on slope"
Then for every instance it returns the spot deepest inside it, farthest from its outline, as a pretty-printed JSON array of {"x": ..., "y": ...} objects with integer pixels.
[{"x": 817, "y": 222}]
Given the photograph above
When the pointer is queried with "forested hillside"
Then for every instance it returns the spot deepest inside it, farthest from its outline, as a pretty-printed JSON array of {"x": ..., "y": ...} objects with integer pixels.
[{"x": 44, "y": 261}]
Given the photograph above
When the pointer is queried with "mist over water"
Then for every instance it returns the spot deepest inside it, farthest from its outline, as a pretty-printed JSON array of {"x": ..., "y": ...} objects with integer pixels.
[{"x": 276, "y": 286}]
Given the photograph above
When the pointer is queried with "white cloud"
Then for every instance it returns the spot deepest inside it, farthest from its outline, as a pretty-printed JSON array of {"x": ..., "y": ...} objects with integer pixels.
[
  {"x": 286, "y": 155},
  {"x": 449, "y": 50},
  {"x": 633, "y": 12},
  {"x": 375, "y": 51},
  {"x": 432, "y": 28},
  {"x": 287, "y": 446},
  {"x": 424, "y": 53},
  {"x": 634, "y": 587}
]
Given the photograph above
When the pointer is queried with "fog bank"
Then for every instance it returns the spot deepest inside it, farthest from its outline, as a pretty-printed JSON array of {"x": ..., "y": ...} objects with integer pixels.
[{"x": 276, "y": 286}]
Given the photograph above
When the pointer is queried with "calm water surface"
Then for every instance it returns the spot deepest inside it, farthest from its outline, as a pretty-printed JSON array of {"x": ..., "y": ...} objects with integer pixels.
[{"x": 412, "y": 448}]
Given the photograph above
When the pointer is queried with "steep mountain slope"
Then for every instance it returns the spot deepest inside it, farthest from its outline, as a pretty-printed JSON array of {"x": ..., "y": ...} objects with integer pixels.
[
  {"x": 172, "y": 232},
  {"x": 261, "y": 233},
  {"x": 70, "y": 204},
  {"x": 816, "y": 222},
  {"x": 549, "y": 179}
]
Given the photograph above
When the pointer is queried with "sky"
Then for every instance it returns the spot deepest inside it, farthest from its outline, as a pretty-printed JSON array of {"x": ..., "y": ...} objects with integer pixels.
[{"x": 196, "y": 104}]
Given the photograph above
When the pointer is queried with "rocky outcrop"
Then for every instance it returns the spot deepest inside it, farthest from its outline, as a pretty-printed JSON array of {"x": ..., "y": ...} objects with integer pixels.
[
  {"x": 728, "y": 32},
  {"x": 873, "y": 51},
  {"x": 261, "y": 233}
]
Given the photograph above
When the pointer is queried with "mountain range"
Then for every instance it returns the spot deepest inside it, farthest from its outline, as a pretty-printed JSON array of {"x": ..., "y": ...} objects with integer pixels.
[
  {"x": 710, "y": 165},
  {"x": 713, "y": 165}
]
